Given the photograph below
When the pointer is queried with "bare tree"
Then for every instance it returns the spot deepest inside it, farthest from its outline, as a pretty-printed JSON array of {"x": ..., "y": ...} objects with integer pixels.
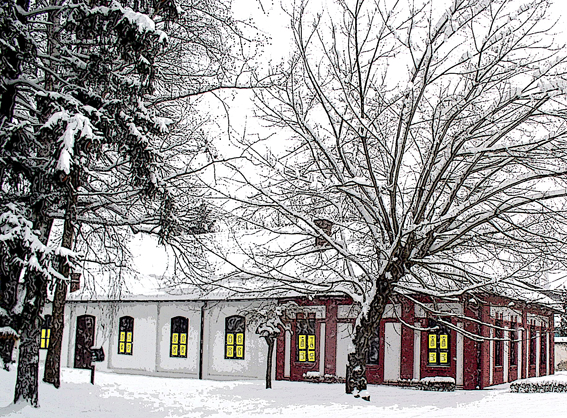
[
  {"x": 268, "y": 321},
  {"x": 409, "y": 151}
]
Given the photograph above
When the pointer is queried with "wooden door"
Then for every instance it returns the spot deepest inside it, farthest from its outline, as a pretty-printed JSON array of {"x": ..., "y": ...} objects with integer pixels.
[{"x": 84, "y": 340}]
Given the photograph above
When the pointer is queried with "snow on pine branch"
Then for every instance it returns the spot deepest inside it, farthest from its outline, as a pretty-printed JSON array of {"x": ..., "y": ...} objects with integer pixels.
[
  {"x": 76, "y": 124},
  {"x": 142, "y": 21},
  {"x": 9, "y": 332},
  {"x": 17, "y": 230}
]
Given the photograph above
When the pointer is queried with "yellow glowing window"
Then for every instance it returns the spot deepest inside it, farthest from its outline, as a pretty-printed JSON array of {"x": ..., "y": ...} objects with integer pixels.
[
  {"x": 432, "y": 341},
  {"x": 439, "y": 345},
  {"x": 235, "y": 329},
  {"x": 305, "y": 340},
  {"x": 178, "y": 342},
  {"x": 126, "y": 335},
  {"x": 45, "y": 332},
  {"x": 311, "y": 342}
]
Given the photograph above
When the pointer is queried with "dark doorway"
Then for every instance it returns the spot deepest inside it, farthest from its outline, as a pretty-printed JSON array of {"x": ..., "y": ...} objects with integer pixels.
[{"x": 84, "y": 340}]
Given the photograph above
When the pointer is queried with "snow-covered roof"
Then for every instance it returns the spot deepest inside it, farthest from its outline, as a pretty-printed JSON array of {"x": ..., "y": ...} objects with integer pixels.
[{"x": 154, "y": 278}]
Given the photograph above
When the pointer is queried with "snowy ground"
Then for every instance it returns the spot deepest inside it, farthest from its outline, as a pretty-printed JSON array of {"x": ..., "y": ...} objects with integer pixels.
[{"x": 129, "y": 396}]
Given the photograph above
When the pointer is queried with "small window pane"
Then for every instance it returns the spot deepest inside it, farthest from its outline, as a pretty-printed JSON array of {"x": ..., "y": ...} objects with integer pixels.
[{"x": 432, "y": 341}]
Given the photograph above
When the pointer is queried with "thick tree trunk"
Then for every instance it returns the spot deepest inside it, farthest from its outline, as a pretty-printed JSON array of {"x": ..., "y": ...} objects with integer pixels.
[
  {"x": 9, "y": 277},
  {"x": 28, "y": 365},
  {"x": 28, "y": 359},
  {"x": 365, "y": 330},
  {"x": 270, "y": 340},
  {"x": 34, "y": 299},
  {"x": 52, "y": 372}
]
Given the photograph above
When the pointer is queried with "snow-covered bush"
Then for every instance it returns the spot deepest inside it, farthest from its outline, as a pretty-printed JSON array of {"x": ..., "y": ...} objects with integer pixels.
[
  {"x": 437, "y": 383},
  {"x": 552, "y": 383}
]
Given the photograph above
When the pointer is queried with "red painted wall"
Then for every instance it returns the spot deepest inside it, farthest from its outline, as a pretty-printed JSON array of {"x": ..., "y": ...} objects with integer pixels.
[{"x": 476, "y": 354}]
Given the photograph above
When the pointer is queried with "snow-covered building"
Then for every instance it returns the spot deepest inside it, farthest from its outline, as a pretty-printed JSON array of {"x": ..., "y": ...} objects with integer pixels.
[{"x": 211, "y": 338}]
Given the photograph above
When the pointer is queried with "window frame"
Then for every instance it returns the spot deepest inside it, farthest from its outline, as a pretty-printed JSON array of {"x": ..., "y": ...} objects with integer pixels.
[
  {"x": 373, "y": 356},
  {"x": 438, "y": 345},
  {"x": 498, "y": 343},
  {"x": 45, "y": 335},
  {"x": 542, "y": 346},
  {"x": 533, "y": 335},
  {"x": 126, "y": 336},
  {"x": 179, "y": 334},
  {"x": 235, "y": 337},
  {"x": 513, "y": 343},
  {"x": 306, "y": 342}
]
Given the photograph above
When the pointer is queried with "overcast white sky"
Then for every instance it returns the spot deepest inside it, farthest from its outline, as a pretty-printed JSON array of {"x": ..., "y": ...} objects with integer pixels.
[{"x": 270, "y": 19}]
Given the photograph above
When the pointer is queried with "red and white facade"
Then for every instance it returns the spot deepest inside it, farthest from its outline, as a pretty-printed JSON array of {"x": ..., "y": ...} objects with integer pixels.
[
  {"x": 515, "y": 339},
  {"x": 519, "y": 343}
]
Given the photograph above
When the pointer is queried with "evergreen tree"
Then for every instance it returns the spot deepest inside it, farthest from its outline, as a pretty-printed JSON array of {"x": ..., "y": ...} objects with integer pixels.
[
  {"x": 95, "y": 130},
  {"x": 74, "y": 75}
]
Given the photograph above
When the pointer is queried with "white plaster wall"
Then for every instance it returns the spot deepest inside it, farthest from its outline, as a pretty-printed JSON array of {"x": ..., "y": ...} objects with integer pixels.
[
  {"x": 392, "y": 351},
  {"x": 560, "y": 355},
  {"x": 144, "y": 349},
  {"x": 255, "y": 348},
  {"x": 165, "y": 363},
  {"x": 152, "y": 323},
  {"x": 344, "y": 347}
]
